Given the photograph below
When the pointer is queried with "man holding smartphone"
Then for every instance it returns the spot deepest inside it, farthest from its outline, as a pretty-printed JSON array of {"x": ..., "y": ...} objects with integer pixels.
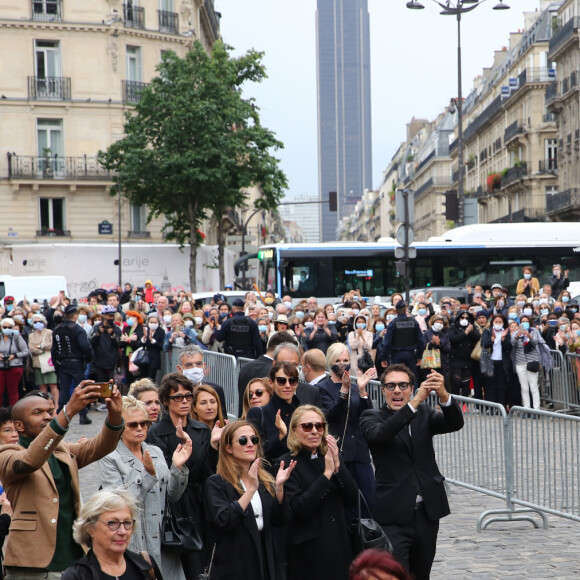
[{"x": 410, "y": 494}]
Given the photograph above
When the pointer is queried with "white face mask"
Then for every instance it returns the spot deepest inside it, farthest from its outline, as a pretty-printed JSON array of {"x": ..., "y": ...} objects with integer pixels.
[
  {"x": 195, "y": 375},
  {"x": 167, "y": 319},
  {"x": 188, "y": 323},
  {"x": 199, "y": 320},
  {"x": 309, "y": 324},
  {"x": 154, "y": 326},
  {"x": 498, "y": 327},
  {"x": 437, "y": 326},
  {"x": 271, "y": 315},
  {"x": 464, "y": 322},
  {"x": 288, "y": 305}
]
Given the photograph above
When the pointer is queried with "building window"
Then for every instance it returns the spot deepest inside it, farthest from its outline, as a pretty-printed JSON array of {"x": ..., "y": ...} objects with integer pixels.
[
  {"x": 46, "y": 10},
  {"x": 168, "y": 19},
  {"x": 134, "y": 65},
  {"x": 139, "y": 222},
  {"x": 551, "y": 157},
  {"x": 52, "y": 219},
  {"x": 51, "y": 160},
  {"x": 47, "y": 82}
]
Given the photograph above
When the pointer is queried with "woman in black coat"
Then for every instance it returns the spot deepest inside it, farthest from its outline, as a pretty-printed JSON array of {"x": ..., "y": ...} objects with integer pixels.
[
  {"x": 152, "y": 341},
  {"x": 243, "y": 502},
  {"x": 319, "y": 490},
  {"x": 463, "y": 336},
  {"x": 496, "y": 338},
  {"x": 176, "y": 394}
]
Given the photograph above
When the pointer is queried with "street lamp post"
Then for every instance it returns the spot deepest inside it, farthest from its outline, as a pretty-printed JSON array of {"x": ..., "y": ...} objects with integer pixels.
[{"x": 457, "y": 8}]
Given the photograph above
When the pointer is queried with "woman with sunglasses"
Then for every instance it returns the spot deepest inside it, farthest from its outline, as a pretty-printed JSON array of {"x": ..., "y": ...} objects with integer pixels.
[
  {"x": 320, "y": 490},
  {"x": 273, "y": 419},
  {"x": 141, "y": 469},
  {"x": 257, "y": 394},
  {"x": 176, "y": 395},
  {"x": 243, "y": 503}
]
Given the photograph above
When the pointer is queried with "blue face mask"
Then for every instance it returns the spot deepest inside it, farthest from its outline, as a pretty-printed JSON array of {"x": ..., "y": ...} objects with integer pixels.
[
  {"x": 422, "y": 311},
  {"x": 563, "y": 327},
  {"x": 379, "y": 327},
  {"x": 361, "y": 325},
  {"x": 512, "y": 315},
  {"x": 38, "y": 326},
  {"x": 565, "y": 298},
  {"x": 300, "y": 314},
  {"x": 526, "y": 325},
  {"x": 130, "y": 321},
  {"x": 553, "y": 322},
  {"x": 82, "y": 318},
  {"x": 10, "y": 307},
  {"x": 577, "y": 331},
  {"x": 544, "y": 312},
  {"x": 558, "y": 309},
  {"x": 263, "y": 328},
  {"x": 223, "y": 314},
  {"x": 332, "y": 322},
  {"x": 6, "y": 331},
  {"x": 15, "y": 332}
]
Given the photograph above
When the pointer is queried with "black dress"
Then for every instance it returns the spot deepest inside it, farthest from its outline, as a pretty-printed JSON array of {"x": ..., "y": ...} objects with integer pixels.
[{"x": 317, "y": 538}]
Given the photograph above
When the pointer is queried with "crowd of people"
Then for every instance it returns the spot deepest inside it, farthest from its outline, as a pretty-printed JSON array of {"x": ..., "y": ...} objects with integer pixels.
[{"x": 273, "y": 494}]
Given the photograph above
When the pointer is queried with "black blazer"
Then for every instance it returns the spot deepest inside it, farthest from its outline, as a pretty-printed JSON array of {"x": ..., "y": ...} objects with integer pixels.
[
  {"x": 399, "y": 457},
  {"x": 241, "y": 551},
  {"x": 154, "y": 348},
  {"x": 308, "y": 394},
  {"x": 355, "y": 447},
  {"x": 317, "y": 538},
  {"x": 260, "y": 367},
  {"x": 506, "y": 347}
]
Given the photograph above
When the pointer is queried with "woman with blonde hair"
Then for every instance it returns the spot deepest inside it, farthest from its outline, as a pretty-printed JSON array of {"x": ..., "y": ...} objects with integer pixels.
[
  {"x": 206, "y": 407},
  {"x": 319, "y": 490},
  {"x": 243, "y": 502},
  {"x": 257, "y": 394},
  {"x": 146, "y": 391}
]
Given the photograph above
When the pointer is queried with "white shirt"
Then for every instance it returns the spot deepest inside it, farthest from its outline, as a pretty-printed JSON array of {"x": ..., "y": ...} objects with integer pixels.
[
  {"x": 496, "y": 351},
  {"x": 256, "y": 503},
  {"x": 317, "y": 379}
]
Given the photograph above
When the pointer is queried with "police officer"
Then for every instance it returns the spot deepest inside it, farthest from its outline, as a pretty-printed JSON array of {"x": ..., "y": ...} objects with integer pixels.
[
  {"x": 403, "y": 342},
  {"x": 240, "y": 333},
  {"x": 70, "y": 352}
]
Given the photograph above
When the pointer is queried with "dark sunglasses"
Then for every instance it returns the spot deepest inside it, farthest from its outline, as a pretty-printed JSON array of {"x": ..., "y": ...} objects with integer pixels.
[
  {"x": 392, "y": 386},
  {"x": 179, "y": 398},
  {"x": 243, "y": 440},
  {"x": 256, "y": 393},
  {"x": 281, "y": 381},
  {"x": 309, "y": 426},
  {"x": 135, "y": 424}
]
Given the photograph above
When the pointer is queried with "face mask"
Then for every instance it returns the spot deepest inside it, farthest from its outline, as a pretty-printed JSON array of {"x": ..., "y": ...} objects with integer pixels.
[
  {"x": 10, "y": 307},
  {"x": 300, "y": 314},
  {"x": 30, "y": 321},
  {"x": 15, "y": 332},
  {"x": 565, "y": 299},
  {"x": 154, "y": 326},
  {"x": 527, "y": 276},
  {"x": 195, "y": 375},
  {"x": 332, "y": 322},
  {"x": 379, "y": 327},
  {"x": 477, "y": 295},
  {"x": 577, "y": 331},
  {"x": 355, "y": 311},
  {"x": 288, "y": 305},
  {"x": 573, "y": 309},
  {"x": 390, "y": 317},
  {"x": 422, "y": 311},
  {"x": 199, "y": 320},
  {"x": 223, "y": 315},
  {"x": 18, "y": 318},
  {"x": 271, "y": 315},
  {"x": 464, "y": 322},
  {"x": 543, "y": 301},
  {"x": 262, "y": 328},
  {"x": 536, "y": 302},
  {"x": 500, "y": 303},
  {"x": 512, "y": 315},
  {"x": 521, "y": 303},
  {"x": 167, "y": 319},
  {"x": 269, "y": 301},
  {"x": 556, "y": 272},
  {"x": 563, "y": 327},
  {"x": 6, "y": 331},
  {"x": 544, "y": 312},
  {"x": 438, "y": 326},
  {"x": 82, "y": 318},
  {"x": 130, "y": 321},
  {"x": 528, "y": 311},
  {"x": 552, "y": 322},
  {"x": 498, "y": 327},
  {"x": 361, "y": 325},
  {"x": 189, "y": 323},
  {"x": 526, "y": 325},
  {"x": 558, "y": 309},
  {"x": 340, "y": 369},
  {"x": 38, "y": 326},
  {"x": 309, "y": 324}
]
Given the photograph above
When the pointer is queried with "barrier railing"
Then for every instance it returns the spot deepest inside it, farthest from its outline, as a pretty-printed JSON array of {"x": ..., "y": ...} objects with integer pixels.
[
  {"x": 223, "y": 370},
  {"x": 559, "y": 386}
]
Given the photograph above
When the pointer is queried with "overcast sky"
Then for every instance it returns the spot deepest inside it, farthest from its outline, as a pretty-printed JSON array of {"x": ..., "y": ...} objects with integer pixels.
[{"x": 413, "y": 68}]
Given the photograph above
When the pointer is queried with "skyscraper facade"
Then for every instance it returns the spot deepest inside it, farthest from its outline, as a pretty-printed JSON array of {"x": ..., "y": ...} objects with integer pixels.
[{"x": 344, "y": 107}]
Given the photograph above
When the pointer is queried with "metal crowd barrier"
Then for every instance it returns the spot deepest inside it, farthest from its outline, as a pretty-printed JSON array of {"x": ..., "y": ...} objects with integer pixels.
[
  {"x": 223, "y": 370},
  {"x": 559, "y": 386}
]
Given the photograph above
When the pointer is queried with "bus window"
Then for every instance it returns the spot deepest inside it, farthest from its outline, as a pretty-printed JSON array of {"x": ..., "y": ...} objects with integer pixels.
[
  {"x": 300, "y": 277},
  {"x": 267, "y": 275},
  {"x": 366, "y": 275}
]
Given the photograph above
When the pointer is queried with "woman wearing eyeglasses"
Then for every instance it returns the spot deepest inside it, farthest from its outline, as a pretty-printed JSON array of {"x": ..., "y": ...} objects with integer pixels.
[
  {"x": 106, "y": 524},
  {"x": 257, "y": 394},
  {"x": 176, "y": 395},
  {"x": 141, "y": 469},
  {"x": 243, "y": 503},
  {"x": 273, "y": 419},
  {"x": 319, "y": 491}
]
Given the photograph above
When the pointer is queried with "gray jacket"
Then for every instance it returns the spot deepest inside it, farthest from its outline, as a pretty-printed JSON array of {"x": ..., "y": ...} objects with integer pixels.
[
  {"x": 15, "y": 345},
  {"x": 122, "y": 469}
]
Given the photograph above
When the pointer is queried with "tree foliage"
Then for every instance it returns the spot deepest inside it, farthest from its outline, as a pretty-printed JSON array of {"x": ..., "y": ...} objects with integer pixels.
[{"x": 193, "y": 142}]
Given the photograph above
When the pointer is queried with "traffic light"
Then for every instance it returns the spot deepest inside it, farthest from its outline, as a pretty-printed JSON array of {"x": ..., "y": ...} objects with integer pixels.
[
  {"x": 332, "y": 202},
  {"x": 451, "y": 206}
]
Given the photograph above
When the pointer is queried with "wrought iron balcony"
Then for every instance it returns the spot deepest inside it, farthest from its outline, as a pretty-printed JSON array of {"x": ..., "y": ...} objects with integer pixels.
[
  {"x": 55, "y": 167},
  {"x": 212, "y": 17},
  {"x": 46, "y": 10},
  {"x": 52, "y": 233},
  {"x": 168, "y": 21},
  {"x": 569, "y": 139},
  {"x": 492, "y": 109},
  {"x": 548, "y": 165},
  {"x": 134, "y": 16},
  {"x": 514, "y": 174},
  {"x": 551, "y": 92},
  {"x": 132, "y": 91},
  {"x": 573, "y": 79},
  {"x": 565, "y": 85},
  {"x": 566, "y": 200},
  {"x": 513, "y": 130},
  {"x": 563, "y": 35},
  {"x": 549, "y": 117},
  {"x": 53, "y": 88},
  {"x": 140, "y": 234}
]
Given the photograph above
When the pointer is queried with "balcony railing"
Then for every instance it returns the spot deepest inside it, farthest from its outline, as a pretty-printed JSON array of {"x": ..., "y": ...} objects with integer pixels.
[
  {"x": 134, "y": 16},
  {"x": 548, "y": 165},
  {"x": 565, "y": 200},
  {"x": 573, "y": 79},
  {"x": 514, "y": 174},
  {"x": 576, "y": 134},
  {"x": 132, "y": 91},
  {"x": 512, "y": 131},
  {"x": 486, "y": 114},
  {"x": 140, "y": 234},
  {"x": 212, "y": 18},
  {"x": 569, "y": 139},
  {"x": 52, "y": 233},
  {"x": 520, "y": 216},
  {"x": 563, "y": 35},
  {"x": 565, "y": 85},
  {"x": 53, "y": 88},
  {"x": 168, "y": 21},
  {"x": 46, "y": 10},
  {"x": 551, "y": 92},
  {"x": 55, "y": 167},
  {"x": 549, "y": 117}
]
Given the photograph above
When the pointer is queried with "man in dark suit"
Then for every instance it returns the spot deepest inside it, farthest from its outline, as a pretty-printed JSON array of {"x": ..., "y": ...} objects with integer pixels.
[
  {"x": 410, "y": 494},
  {"x": 261, "y": 366}
]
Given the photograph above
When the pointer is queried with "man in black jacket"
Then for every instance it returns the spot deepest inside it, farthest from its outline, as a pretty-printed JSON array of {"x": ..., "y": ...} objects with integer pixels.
[
  {"x": 105, "y": 342},
  {"x": 410, "y": 494},
  {"x": 240, "y": 334}
]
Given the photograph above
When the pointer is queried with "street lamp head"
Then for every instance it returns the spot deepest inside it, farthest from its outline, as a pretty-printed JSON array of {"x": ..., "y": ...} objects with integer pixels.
[
  {"x": 414, "y": 5},
  {"x": 501, "y": 6}
]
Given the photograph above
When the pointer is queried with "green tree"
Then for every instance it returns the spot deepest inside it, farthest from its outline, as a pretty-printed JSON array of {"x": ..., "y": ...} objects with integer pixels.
[{"x": 192, "y": 142}]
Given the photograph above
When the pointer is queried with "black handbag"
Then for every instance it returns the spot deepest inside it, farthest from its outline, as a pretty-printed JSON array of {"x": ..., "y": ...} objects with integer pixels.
[
  {"x": 533, "y": 366},
  {"x": 178, "y": 534},
  {"x": 141, "y": 358},
  {"x": 365, "y": 533},
  {"x": 365, "y": 362}
]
